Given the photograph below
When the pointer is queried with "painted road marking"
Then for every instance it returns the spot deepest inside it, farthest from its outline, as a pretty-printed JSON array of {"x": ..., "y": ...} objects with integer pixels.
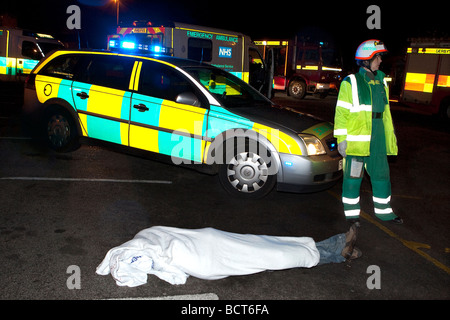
[
  {"x": 414, "y": 246},
  {"x": 16, "y": 138},
  {"x": 202, "y": 296},
  {"x": 85, "y": 180}
]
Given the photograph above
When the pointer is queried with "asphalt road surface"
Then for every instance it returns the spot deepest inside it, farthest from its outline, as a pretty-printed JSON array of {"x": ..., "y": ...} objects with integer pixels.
[{"x": 61, "y": 213}]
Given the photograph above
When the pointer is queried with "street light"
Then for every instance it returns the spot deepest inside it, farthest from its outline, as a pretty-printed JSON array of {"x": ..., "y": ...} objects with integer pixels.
[{"x": 117, "y": 7}]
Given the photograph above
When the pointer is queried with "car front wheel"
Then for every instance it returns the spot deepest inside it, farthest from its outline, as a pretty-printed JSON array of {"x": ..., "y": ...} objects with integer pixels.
[{"x": 246, "y": 175}]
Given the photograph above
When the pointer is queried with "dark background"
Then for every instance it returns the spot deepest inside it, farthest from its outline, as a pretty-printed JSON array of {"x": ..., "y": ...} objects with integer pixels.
[{"x": 342, "y": 23}]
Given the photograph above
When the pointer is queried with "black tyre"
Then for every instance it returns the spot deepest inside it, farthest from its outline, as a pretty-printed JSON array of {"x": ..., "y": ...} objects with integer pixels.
[
  {"x": 297, "y": 89},
  {"x": 60, "y": 130}
]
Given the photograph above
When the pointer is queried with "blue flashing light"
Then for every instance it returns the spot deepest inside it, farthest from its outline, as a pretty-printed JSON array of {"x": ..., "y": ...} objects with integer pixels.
[
  {"x": 157, "y": 49},
  {"x": 128, "y": 45},
  {"x": 112, "y": 43},
  {"x": 288, "y": 163}
]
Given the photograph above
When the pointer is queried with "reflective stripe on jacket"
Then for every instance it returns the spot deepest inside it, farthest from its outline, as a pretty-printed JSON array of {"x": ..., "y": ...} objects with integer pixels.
[{"x": 353, "y": 118}]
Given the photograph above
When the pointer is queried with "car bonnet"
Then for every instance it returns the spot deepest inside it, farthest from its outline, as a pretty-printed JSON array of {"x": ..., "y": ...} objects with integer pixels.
[{"x": 284, "y": 118}]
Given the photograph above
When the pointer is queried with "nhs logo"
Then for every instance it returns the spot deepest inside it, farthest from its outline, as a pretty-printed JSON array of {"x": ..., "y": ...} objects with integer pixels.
[{"x": 225, "y": 52}]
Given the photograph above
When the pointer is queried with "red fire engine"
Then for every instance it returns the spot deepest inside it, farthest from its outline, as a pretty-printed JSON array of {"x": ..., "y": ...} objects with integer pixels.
[{"x": 304, "y": 67}]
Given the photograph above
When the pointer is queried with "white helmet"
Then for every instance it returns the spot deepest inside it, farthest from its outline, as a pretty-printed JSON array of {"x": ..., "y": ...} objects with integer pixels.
[{"x": 368, "y": 49}]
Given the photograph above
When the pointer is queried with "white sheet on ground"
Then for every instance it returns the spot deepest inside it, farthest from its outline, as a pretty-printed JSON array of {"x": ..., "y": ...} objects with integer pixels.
[{"x": 173, "y": 254}]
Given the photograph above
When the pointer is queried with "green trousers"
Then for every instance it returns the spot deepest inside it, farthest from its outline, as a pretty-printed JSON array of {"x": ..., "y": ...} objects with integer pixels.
[{"x": 377, "y": 167}]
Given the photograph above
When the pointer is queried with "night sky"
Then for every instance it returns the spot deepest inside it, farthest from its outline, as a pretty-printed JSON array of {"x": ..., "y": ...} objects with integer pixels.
[{"x": 341, "y": 22}]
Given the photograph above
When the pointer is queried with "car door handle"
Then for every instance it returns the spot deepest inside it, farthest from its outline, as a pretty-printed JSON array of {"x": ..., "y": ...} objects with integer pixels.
[
  {"x": 141, "y": 107},
  {"x": 82, "y": 95}
]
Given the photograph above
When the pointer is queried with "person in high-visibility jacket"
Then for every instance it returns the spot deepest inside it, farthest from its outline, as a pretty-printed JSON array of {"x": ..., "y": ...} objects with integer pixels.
[{"x": 365, "y": 133}]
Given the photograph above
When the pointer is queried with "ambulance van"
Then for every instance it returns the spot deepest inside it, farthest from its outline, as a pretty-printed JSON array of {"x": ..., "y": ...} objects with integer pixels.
[
  {"x": 228, "y": 50},
  {"x": 21, "y": 50}
]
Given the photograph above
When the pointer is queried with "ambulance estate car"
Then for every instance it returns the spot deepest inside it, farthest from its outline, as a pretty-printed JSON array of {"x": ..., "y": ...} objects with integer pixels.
[{"x": 186, "y": 110}]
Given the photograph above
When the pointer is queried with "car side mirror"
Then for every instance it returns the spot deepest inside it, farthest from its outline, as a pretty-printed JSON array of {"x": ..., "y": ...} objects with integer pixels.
[{"x": 188, "y": 98}]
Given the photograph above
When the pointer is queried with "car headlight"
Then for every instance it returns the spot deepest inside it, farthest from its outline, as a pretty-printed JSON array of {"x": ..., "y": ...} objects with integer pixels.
[{"x": 313, "y": 145}]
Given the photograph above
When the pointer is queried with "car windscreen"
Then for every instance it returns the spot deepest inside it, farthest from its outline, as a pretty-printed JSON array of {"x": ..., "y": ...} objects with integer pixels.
[{"x": 228, "y": 89}]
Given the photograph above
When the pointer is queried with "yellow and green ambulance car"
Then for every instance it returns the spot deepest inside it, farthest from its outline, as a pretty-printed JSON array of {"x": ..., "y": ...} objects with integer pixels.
[{"x": 188, "y": 111}]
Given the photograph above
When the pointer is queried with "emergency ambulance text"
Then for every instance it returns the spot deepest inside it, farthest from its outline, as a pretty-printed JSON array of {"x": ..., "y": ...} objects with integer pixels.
[{"x": 209, "y": 36}]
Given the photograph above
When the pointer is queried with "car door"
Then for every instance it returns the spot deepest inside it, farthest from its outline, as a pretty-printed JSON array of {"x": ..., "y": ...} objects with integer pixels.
[
  {"x": 102, "y": 96},
  {"x": 161, "y": 119}
]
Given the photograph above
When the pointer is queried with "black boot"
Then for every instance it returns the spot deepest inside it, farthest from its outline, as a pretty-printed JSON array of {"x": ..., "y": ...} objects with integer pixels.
[{"x": 397, "y": 220}]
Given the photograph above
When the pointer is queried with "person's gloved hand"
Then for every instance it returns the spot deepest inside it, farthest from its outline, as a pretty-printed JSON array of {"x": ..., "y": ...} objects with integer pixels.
[{"x": 342, "y": 147}]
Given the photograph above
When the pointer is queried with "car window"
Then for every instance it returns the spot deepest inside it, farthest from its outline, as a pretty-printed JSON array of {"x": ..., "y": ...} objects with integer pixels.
[
  {"x": 161, "y": 81},
  {"x": 31, "y": 50},
  {"x": 107, "y": 71},
  {"x": 228, "y": 89},
  {"x": 62, "y": 67},
  {"x": 200, "y": 49},
  {"x": 47, "y": 47}
]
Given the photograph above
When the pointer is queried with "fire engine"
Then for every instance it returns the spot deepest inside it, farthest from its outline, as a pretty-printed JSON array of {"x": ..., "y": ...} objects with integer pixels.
[
  {"x": 227, "y": 50},
  {"x": 427, "y": 76},
  {"x": 302, "y": 67},
  {"x": 21, "y": 50}
]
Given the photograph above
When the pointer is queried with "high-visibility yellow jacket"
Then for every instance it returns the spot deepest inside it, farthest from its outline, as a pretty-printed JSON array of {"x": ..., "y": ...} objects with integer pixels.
[{"x": 353, "y": 118}]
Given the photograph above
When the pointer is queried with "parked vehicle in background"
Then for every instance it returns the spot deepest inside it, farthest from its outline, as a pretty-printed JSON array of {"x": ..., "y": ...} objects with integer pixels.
[
  {"x": 427, "y": 76},
  {"x": 228, "y": 50},
  {"x": 302, "y": 67},
  {"x": 21, "y": 50}
]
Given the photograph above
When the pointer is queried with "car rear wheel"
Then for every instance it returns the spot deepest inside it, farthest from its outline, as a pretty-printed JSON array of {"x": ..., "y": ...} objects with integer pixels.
[
  {"x": 246, "y": 175},
  {"x": 60, "y": 131}
]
